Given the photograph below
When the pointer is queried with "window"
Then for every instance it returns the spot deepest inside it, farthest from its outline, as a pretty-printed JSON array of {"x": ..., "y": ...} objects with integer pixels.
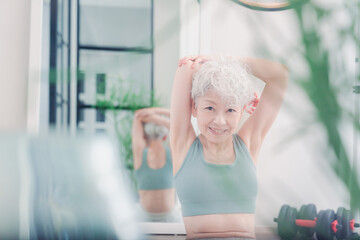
[
  {"x": 115, "y": 58},
  {"x": 114, "y": 54}
]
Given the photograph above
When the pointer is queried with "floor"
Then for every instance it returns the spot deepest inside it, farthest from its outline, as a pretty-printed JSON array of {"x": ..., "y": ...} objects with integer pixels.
[
  {"x": 166, "y": 236},
  {"x": 262, "y": 233}
]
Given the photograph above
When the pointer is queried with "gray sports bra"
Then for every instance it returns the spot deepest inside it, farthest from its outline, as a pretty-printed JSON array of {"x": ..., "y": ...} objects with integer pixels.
[{"x": 206, "y": 188}]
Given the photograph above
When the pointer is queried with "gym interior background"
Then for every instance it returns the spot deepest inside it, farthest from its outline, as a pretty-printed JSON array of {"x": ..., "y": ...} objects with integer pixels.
[{"x": 61, "y": 59}]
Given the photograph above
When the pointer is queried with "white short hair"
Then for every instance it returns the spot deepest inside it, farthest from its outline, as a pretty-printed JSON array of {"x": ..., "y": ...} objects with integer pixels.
[
  {"x": 229, "y": 77},
  {"x": 154, "y": 131}
]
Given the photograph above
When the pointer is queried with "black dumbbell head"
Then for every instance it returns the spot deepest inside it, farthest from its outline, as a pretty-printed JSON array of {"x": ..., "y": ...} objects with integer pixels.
[
  {"x": 287, "y": 228},
  {"x": 307, "y": 212},
  {"x": 343, "y": 217},
  {"x": 323, "y": 225}
]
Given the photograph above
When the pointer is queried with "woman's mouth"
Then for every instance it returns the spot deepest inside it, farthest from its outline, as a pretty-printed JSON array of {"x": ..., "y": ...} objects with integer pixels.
[{"x": 217, "y": 131}]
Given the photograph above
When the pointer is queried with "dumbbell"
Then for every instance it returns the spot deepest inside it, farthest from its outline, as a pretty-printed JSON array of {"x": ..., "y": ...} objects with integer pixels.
[
  {"x": 327, "y": 225},
  {"x": 346, "y": 219},
  {"x": 306, "y": 222}
]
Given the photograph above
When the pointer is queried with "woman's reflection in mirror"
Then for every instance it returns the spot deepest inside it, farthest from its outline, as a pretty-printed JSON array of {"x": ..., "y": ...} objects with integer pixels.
[
  {"x": 153, "y": 165},
  {"x": 215, "y": 172}
]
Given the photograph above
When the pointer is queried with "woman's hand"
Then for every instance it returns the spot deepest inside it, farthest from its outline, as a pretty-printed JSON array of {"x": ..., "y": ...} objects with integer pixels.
[
  {"x": 251, "y": 106},
  {"x": 194, "y": 60},
  {"x": 144, "y": 113},
  {"x": 186, "y": 59}
]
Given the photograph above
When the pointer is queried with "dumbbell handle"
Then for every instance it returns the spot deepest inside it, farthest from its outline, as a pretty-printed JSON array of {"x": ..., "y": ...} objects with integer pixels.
[
  {"x": 312, "y": 223},
  {"x": 305, "y": 223}
]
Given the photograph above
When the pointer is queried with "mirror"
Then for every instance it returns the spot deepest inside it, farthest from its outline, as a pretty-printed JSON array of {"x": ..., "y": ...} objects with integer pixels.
[
  {"x": 153, "y": 167},
  {"x": 318, "y": 49},
  {"x": 100, "y": 71}
]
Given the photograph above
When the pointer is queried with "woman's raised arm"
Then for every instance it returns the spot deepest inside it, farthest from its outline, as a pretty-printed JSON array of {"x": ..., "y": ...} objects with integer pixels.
[
  {"x": 181, "y": 131},
  {"x": 275, "y": 76},
  {"x": 138, "y": 141}
]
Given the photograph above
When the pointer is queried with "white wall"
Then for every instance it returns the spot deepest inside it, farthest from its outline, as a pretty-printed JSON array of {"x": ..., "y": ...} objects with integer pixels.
[
  {"x": 14, "y": 75},
  {"x": 14, "y": 63},
  {"x": 292, "y": 171},
  {"x": 166, "y": 47}
]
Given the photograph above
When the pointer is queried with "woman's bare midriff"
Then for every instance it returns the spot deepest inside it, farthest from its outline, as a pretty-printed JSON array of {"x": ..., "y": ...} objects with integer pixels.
[
  {"x": 157, "y": 201},
  {"x": 220, "y": 226}
]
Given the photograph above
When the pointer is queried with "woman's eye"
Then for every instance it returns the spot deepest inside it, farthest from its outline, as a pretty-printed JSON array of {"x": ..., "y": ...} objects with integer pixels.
[
  {"x": 231, "y": 110},
  {"x": 209, "y": 108}
]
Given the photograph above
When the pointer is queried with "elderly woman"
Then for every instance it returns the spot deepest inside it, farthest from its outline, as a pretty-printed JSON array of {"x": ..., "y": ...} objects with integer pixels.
[
  {"x": 215, "y": 172},
  {"x": 153, "y": 165}
]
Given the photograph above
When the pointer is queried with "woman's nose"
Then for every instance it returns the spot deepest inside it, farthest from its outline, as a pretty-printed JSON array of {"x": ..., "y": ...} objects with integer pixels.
[{"x": 219, "y": 119}]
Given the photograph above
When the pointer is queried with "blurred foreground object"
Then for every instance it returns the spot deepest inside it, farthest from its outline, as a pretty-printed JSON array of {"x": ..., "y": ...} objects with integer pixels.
[
  {"x": 63, "y": 188},
  {"x": 270, "y": 5}
]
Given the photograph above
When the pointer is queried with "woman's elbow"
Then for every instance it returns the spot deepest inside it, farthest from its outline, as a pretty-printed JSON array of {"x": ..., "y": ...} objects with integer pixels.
[
  {"x": 285, "y": 72},
  {"x": 283, "y": 75}
]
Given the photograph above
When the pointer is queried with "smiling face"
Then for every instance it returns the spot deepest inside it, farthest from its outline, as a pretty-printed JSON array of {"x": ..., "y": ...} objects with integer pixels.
[{"x": 216, "y": 121}]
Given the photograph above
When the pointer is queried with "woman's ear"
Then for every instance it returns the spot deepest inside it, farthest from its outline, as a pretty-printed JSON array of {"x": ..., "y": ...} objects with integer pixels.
[{"x": 193, "y": 108}]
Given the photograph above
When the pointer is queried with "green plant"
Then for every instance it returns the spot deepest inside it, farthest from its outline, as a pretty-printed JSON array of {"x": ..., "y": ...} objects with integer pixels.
[
  {"x": 324, "y": 92},
  {"x": 121, "y": 103},
  {"x": 327, "y": 31}
]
